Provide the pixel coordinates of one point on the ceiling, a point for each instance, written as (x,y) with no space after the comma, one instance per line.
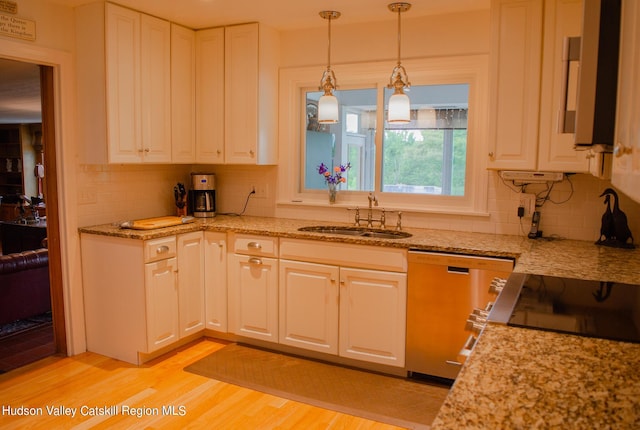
(283,14)
(20,85)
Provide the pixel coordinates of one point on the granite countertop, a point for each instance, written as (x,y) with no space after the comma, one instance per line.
(530,379)
(515,378)
(567,258)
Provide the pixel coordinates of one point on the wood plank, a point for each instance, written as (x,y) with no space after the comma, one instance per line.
(92,380)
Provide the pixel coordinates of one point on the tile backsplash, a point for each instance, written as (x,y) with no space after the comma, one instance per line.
(110,193)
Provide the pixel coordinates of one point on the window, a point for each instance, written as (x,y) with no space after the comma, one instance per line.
(426,156)
(352,140)
(436,163)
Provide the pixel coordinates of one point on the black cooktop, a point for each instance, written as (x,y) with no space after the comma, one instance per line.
(589,308)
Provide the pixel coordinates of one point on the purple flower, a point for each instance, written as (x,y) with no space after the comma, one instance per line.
(335,178)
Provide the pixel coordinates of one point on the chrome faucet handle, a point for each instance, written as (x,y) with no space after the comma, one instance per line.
(372,199)
(399,222)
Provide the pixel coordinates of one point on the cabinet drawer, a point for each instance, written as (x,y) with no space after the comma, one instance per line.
(159,249)
(345,254)
(255,245)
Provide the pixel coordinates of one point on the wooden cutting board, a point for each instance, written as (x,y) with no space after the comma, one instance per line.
(153,223)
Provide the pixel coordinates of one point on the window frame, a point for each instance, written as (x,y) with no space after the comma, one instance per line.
(471,69)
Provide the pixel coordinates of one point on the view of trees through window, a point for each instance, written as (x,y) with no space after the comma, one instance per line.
(424,161)
(426,156)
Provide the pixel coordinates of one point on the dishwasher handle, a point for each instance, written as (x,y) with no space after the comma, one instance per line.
(458,270)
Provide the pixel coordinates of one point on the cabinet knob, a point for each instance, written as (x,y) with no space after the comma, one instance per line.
(218,152)
(490,154)
(254,245)
(251,152)
(254,260)
(147,150)
(162,249)
(620,149)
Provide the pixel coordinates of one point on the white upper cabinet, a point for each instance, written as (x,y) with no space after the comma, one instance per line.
(129,118)
(626,159)
(237,90)
(210,95)
(516,58)
(526,85)
(183,94)
(155,89)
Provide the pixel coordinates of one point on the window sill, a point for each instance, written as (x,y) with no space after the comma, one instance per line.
(309,203)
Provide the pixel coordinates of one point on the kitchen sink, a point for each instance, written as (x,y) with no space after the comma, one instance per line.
(357,231)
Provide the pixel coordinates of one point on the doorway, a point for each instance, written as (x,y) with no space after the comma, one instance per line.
(36,342)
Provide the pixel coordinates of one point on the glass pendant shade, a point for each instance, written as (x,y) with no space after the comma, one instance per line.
(328,109)
(399,108)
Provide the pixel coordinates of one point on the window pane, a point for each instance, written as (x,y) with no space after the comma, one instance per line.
(352,140)
(428,155)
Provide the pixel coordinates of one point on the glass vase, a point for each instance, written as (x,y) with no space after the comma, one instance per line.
(333,191)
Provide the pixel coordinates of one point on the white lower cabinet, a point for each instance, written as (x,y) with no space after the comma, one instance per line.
(215,281)
(309,306)
(346,300)
(253,287)
(161,288)
(373,315)
(191,282)
(357,313)
(141,295)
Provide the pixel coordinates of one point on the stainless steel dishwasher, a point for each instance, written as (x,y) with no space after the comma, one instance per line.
(447,294)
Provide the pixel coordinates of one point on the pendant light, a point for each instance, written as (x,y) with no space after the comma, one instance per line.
(328,103)
(399,109)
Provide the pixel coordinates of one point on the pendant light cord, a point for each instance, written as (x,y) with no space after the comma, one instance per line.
(329,45)
(399,34)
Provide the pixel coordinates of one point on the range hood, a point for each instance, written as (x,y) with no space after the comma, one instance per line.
(594,117)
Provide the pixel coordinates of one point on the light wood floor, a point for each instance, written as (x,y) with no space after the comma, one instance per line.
(100,383)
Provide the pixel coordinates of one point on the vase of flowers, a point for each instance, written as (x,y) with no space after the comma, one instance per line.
(334,179)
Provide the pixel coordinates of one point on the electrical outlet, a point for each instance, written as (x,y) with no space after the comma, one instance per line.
(528,202)
(261,191)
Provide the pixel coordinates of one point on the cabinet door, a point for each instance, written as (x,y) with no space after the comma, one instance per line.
(123,84)
(155,89)
(556,150)
(373,316)
(215,275)
(162,303)
(191,282)
(626,160)
(309,306)
(241,93)
(210,95)
(515,83)
(253,289)
(183,94)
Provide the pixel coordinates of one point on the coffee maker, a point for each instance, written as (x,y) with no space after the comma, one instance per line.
(202,196)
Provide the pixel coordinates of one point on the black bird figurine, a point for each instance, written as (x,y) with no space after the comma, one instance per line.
(606,229)
(614,226)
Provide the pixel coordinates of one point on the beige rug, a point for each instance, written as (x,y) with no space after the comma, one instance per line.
(387,399)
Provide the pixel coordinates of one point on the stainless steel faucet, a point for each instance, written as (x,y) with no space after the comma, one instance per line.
(373,201)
